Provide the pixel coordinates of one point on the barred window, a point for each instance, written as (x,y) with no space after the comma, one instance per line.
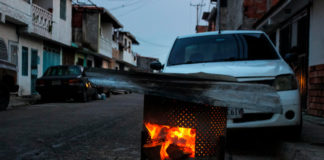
(63,9)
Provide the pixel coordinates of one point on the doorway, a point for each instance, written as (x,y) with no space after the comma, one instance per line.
(34,70)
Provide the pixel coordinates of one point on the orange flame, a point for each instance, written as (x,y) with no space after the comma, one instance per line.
(163,135)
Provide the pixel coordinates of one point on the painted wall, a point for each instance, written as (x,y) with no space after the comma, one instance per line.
(62,30)
(25,81)
(90,30)
(19,5)
(232,15)
(316,47)
(17,9)
(128,56)
(8,33)
(105,41)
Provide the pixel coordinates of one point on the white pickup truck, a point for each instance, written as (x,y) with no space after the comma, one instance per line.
(249,56)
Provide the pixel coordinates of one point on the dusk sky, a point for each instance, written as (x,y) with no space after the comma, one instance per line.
(155,23)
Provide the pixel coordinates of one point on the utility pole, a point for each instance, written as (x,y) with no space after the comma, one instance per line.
(197,7)
(218,17)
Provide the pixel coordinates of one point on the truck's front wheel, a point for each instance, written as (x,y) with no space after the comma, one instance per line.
(4,97)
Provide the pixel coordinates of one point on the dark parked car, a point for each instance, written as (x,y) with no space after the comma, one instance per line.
(65,82)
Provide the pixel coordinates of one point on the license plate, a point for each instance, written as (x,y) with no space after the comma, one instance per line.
(234,113)
(55,83)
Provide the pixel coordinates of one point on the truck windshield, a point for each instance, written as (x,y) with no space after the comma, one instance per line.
(63,71)
(220,48)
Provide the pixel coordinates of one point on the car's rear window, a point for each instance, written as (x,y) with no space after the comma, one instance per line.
(63,71)
(219,48)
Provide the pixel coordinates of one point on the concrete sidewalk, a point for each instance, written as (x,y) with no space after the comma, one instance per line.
(311,145)
(20,101)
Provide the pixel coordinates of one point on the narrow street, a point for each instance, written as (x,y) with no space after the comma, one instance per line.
(109,129)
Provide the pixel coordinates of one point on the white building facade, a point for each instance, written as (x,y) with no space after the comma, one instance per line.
(34,32)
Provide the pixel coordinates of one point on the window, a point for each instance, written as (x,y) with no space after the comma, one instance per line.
(63,9)
(13,52)
(3,50)
(63,71)
(24,66)
(221,48)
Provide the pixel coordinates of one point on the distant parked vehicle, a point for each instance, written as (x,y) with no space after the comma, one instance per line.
(67,81)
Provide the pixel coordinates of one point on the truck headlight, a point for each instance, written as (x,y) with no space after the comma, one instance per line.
(285,82)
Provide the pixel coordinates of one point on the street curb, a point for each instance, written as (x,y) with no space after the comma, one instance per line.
(301,151)
(16,101)
(313,119)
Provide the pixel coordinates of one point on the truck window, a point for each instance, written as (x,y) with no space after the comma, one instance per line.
(220,48)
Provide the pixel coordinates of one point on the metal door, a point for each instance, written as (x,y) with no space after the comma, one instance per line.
(50,58)
(34,70)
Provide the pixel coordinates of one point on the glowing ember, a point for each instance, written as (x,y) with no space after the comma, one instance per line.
(164,136)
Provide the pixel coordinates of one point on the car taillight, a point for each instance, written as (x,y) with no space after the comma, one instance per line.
(74,81)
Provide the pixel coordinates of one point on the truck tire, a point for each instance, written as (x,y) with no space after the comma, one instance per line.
(45,98)
(4,97)
(83,97)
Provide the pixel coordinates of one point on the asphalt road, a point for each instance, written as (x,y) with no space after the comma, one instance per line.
(108,129)
(97,130)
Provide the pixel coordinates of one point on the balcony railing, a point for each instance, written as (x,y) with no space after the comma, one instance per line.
(42,21)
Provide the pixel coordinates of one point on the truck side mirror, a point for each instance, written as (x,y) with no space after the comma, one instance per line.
(290,57)
(156,65)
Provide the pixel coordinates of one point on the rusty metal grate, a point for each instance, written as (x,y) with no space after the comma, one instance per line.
(209,122)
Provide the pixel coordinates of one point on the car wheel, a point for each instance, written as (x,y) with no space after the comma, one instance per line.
(84,96)
(45,98)
(95,96)
(4,97)
(107,94)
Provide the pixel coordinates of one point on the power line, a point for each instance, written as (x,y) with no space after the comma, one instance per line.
(197,7)
(125,5)
(152,43)
(133,10)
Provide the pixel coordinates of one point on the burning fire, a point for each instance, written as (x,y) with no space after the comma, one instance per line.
(165,136)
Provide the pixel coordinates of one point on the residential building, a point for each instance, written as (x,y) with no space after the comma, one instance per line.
(295,26)
(93,31)
(34,33)
(237,14)
(127,59)
(143,63)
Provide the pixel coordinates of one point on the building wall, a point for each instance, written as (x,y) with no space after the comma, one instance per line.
(105,41)
(316,60)
(316,91)
(90,30)
(128,56)
(316,47)
(18,9)
(8,33)
(25,81)
(232,15)
(62,30)
(143,63)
